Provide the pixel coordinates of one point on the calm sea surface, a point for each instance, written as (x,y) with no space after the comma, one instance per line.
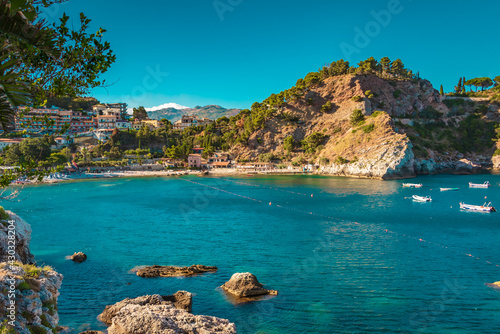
(355,257)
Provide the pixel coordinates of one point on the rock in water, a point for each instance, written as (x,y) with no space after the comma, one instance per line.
(78,257)
(246,285)
(153,314)
(172,271)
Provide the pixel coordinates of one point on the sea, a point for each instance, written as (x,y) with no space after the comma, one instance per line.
(346,255)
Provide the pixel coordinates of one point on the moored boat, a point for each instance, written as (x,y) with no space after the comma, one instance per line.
(421,198)
(413,185)
(448,189)
(486,184)
(486,207)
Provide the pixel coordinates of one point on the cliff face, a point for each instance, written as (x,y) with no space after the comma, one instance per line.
(408,129)
(35,291)
(28,294)
(22,232)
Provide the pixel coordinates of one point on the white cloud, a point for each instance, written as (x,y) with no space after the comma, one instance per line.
(167,105)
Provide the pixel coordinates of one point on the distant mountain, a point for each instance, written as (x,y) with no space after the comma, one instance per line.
(175,113)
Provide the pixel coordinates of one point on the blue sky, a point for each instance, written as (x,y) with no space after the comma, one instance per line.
(236,52)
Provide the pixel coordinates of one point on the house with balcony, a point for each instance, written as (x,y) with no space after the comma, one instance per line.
(194,160)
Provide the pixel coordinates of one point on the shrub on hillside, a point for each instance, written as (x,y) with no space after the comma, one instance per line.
(326,107)
(356,117)
(357,98)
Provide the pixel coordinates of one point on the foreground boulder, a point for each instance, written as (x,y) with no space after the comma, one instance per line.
(173,271)
(154,314)
(246,285)
(78,257)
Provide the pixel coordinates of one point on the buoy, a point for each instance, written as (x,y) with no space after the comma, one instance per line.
(270,203)
(311,195)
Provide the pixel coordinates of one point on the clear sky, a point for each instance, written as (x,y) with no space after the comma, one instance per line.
(236,52)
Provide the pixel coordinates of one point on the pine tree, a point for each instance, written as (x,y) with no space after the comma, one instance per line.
(441,92)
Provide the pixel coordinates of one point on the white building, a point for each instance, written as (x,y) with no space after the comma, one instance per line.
(120,124)
(4,142)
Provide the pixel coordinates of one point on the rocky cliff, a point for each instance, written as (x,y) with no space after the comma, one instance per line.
(34,292)
(21,231)
(28,294)
(407,129)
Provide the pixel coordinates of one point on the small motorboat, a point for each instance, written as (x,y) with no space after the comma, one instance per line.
(479,185)
(413,185)
(448,189)
(486,207)
(421,198)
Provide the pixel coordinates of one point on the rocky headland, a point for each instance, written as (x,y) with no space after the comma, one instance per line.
(404,128)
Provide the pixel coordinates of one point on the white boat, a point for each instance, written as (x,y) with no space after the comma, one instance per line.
(413,185)
(421,198)
(448,189)
(479,185)
(486,207)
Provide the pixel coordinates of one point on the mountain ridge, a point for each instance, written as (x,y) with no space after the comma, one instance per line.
(209,111)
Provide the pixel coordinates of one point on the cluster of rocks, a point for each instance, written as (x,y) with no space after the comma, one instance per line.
(36,291)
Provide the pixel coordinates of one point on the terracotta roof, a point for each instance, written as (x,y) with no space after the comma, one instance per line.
(10,140)
(220,163)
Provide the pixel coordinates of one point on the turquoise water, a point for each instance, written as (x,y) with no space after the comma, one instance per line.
(356,257)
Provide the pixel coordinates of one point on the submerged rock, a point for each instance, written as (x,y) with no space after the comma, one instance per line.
(154,314)
(78,257)
(246,285)
(173,271)
(495,285)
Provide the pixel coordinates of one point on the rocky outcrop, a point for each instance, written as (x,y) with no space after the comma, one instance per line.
(22,232)
(36,291)
(173,271)
(246,285)
(153,314)
(78,257)
(387,159)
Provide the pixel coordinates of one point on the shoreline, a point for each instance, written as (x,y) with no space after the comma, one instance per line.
(226,172)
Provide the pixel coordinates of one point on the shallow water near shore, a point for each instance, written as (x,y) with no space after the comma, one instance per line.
(357,256)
